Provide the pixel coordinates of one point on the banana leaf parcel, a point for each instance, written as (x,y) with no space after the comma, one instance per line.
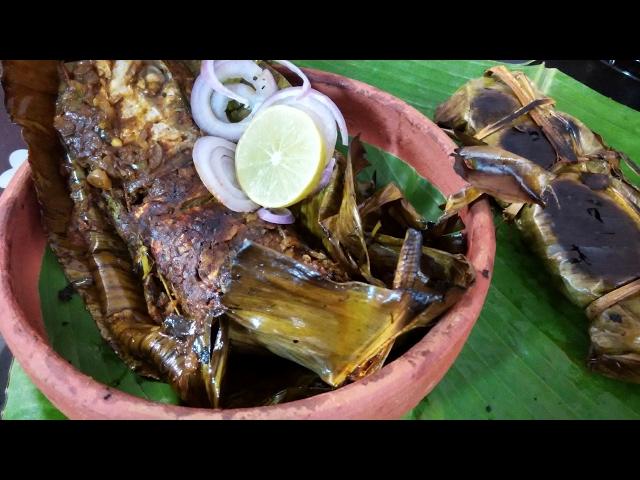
(566,192)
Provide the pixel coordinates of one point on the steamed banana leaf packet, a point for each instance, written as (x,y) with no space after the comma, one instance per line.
(227,308)
(566,192)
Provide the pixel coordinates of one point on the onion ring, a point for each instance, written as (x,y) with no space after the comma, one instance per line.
(306,84)
(209,96)
(317,96)
(280,216)
(213,158)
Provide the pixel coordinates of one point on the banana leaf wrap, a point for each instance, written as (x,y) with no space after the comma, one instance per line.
(376,226)
(564,189)
(188,292)
(329,327)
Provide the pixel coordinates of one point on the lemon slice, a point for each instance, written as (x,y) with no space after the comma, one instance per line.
(280,157)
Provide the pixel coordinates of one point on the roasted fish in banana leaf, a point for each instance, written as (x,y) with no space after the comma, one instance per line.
(565,190)
(189,292)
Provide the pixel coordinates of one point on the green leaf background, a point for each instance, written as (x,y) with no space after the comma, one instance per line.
(525,358)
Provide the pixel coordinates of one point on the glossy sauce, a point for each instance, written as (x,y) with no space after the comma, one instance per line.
(601,237)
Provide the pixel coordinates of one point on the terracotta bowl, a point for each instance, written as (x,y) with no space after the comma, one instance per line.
(383,121)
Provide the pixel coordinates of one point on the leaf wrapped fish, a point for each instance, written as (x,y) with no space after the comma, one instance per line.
(565,191)
(187,291)
(505,110)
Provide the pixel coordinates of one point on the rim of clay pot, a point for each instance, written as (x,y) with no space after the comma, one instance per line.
(389,393)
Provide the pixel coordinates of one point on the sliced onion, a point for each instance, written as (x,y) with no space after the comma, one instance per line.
(209,97)
(262,80)
(216,73)
(207,119)
(219,102)
(213,158)
(326,176)
(281,216)
(316,95)
(306,84)
(208,71)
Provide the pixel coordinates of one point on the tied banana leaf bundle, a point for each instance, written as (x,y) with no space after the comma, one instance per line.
(566,192)
(230,310)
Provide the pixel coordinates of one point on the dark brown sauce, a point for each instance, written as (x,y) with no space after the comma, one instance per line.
(490,105)
(529,142)
(602,240)
(595,181)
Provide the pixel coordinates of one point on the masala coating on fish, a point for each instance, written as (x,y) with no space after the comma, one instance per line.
(127,121)
(128,132)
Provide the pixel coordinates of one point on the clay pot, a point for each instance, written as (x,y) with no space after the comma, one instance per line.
(383,121)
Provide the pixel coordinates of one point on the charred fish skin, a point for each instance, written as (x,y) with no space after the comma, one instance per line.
(123,320)
(146,138)
(585,225)
(127,126)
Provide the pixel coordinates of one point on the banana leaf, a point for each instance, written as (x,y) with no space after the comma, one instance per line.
(503,369)
(333,216)
(575,207)
(520,362)
(386,206)
(601,276)
(351,232)
(330,328)
(506,110)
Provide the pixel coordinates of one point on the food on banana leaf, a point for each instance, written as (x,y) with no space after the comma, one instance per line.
(564,189)
(188,278)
